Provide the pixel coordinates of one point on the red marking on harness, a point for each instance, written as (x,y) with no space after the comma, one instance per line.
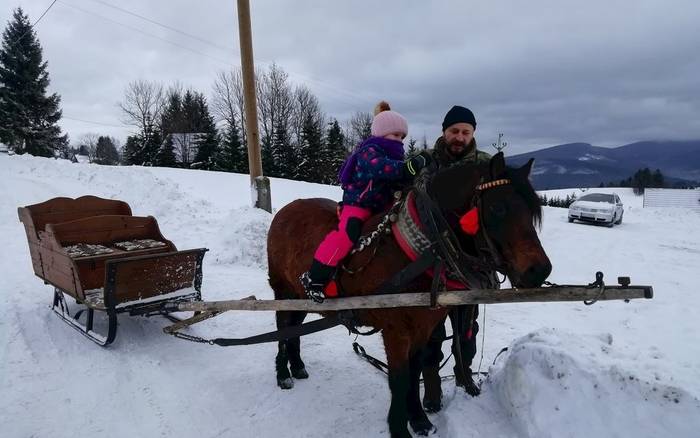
(410,253)
(470,222)
(468,335)
(413,210)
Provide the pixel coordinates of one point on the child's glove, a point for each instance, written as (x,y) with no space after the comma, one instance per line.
(414,164)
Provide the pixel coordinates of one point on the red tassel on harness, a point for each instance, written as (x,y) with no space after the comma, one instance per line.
(331,289)
(470,221)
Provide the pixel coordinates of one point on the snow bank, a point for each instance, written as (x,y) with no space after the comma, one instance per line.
(555,384)
(243,235)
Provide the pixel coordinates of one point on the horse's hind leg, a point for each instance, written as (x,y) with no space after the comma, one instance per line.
(416,415)
(288,351)
(294,350)
(397,349)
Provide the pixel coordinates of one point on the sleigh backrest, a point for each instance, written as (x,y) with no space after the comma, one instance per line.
(35,218)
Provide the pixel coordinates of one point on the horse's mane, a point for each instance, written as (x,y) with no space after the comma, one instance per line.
(521,184)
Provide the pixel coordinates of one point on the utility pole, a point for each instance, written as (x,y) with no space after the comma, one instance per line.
(499,146)
(260,184)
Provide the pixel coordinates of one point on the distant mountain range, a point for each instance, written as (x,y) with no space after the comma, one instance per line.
(583,165)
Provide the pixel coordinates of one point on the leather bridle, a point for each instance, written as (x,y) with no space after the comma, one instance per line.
(487,245)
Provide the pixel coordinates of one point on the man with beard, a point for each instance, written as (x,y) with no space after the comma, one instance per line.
(456,145)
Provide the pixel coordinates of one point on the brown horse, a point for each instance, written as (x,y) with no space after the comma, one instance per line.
(508,214)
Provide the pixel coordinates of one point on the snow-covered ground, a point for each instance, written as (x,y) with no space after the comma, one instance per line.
(613,369)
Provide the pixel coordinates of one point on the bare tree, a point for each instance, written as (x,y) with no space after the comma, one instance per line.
(275,102)
(185,146)
(87,145)
(305,106)
(358,128)
(228,103)
(143,102)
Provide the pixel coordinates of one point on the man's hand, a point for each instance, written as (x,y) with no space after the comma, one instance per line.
(417,162)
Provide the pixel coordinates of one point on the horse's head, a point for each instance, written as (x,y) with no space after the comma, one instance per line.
(508,211)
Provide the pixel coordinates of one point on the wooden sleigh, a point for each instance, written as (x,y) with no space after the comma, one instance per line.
(108,261)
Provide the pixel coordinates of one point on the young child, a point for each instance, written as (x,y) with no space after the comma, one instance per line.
(367,177)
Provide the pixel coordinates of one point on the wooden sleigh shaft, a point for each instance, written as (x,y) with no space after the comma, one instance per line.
(422,299)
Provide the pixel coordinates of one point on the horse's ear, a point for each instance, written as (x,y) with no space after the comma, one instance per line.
(497,165)
(527,168)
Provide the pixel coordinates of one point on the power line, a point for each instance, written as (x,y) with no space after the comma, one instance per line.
(92,122)
(33,25)
(42,15)
(337,90)
(135,29)
(165,26)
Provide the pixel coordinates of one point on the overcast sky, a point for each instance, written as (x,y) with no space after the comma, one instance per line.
(541,72)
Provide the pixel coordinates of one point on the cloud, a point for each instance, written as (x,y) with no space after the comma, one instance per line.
(543,73)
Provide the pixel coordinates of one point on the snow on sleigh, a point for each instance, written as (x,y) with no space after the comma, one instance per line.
(109,261)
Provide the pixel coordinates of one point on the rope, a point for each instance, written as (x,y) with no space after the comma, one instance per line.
(382,366)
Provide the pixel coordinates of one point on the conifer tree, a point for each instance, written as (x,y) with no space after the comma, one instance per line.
(335,153)
(283,153)
(208,143)
(267,157)
(412,149)
(165,157)
(151,141)
(28,116)
(106,151)
(133,152)
(657,179)
(232,156)
(310,150)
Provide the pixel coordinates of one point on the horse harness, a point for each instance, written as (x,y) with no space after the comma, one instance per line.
(427,240)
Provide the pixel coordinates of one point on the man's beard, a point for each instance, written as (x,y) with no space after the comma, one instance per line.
(457,148)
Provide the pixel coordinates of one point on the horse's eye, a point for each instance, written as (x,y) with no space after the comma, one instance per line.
(498,209)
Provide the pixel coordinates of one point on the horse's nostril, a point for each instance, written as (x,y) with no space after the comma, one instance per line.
(538,273)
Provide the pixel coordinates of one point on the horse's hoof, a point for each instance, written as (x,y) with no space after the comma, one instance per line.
(470,388)
(287,383)
(432,406)
(422,427)
(402,434)
(300,373)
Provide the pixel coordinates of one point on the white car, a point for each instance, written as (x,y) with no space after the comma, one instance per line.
(602,208)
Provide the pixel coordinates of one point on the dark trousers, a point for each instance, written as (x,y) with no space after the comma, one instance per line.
(460,316)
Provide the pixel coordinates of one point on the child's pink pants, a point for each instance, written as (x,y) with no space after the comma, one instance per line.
(338,243)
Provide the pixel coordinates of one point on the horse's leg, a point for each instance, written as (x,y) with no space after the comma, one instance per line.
(284,379)
(416,415)
(294,349)
(397,352)
(432,356)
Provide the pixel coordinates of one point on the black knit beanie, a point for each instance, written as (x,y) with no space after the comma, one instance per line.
(458,114)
